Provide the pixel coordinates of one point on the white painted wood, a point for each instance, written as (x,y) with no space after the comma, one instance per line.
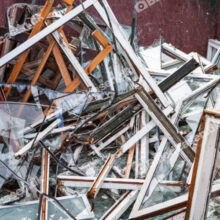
(47,180)
(98,182)
(170,63)
(121,38)
(185,57)
(150,182)
(170,203)
(54,131)
(120,206)
(38,122)
(40,136)
(137,149)
(108,183)
(74,62)
(154,118)
(213,46)
(113,138)
(97,151)
(140,134)
(46,31)
(209,150)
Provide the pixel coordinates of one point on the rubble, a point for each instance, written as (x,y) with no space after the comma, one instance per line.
(94,126)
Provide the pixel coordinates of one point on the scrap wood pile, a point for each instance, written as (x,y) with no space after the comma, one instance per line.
(94,126)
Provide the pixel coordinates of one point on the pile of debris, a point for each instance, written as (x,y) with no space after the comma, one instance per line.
(95,127)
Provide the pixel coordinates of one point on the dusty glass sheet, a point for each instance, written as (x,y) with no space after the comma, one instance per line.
(213,209)
(184,88)
(29,211)
(154,57)
(14,118)
(157,193)
(189,119)
(23,212)
(102,203)
(119,74)
(123,77)
(21,9)
(174,67)
(27,113)
(77,102)
(74,112)
(86,38)
(127,30)
(217,62)
(38,95)
(90,164)
(190,114)
(167,215)
(122,74)
(7,158)
(55,141)
(151,55)
(74,205)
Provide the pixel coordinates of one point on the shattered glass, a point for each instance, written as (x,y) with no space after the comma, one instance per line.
(29,211)
(57,133)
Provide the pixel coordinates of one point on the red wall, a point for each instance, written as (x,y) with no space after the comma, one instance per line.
(188,24)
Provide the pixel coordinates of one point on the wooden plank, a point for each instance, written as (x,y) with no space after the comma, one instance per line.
(122,40)
(108,183)
(203,172)
(91,194)
(45,183)
(170,205)
(62,66)
(95,62)
(40,136)
(21,60)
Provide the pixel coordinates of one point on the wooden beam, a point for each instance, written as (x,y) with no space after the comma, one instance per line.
(21,60)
